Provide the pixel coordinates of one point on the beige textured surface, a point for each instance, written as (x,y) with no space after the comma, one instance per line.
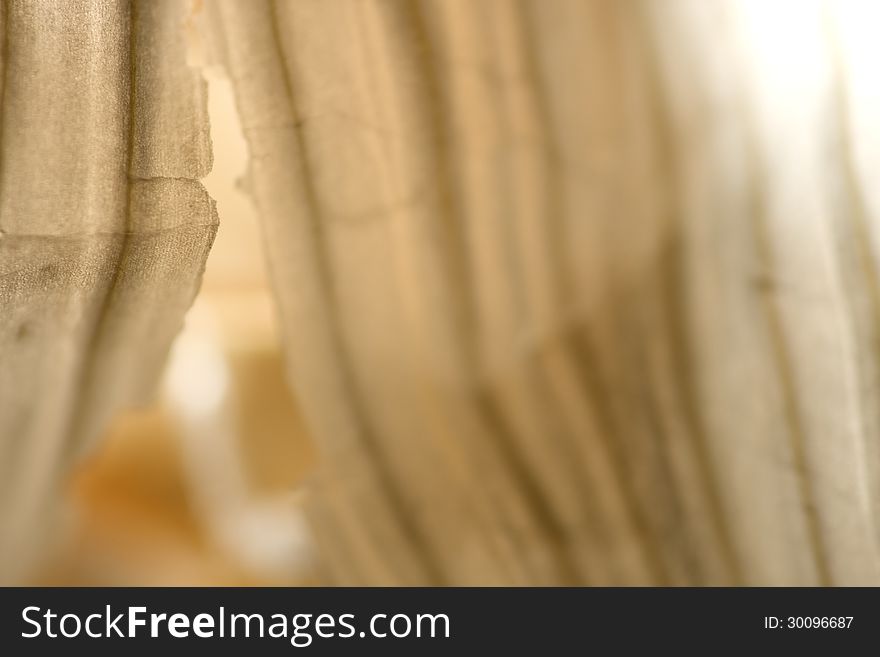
(105,231)
(776,159)
(574,291)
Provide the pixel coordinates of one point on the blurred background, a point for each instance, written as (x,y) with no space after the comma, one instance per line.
(201,487)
